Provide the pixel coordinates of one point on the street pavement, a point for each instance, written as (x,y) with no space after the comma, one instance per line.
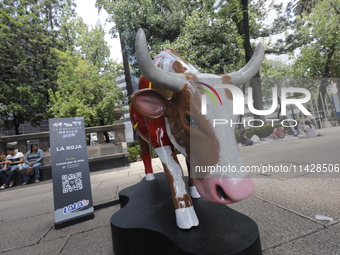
(284,205)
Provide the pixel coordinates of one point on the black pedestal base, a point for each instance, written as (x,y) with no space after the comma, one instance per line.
(146,225)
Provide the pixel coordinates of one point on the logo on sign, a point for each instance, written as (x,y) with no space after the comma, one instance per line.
(75,206)
(68,135)
(57,124)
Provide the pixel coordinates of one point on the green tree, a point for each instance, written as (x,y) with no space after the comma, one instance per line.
(302,6)
(162,20)
(90,43)
(274,73)
(293,19)
(248,17)
(205,41)
(84,91)
(320,57)
(277,74)
(86,67)
(195,29)
(29,32)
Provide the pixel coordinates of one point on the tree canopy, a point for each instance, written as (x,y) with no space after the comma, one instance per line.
(29,32)
(206,40)
(206,33)
(319,56)
(82,92)
(45,48)
(86,75)
(36,38)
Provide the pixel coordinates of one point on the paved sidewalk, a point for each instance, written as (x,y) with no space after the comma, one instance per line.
(283,206)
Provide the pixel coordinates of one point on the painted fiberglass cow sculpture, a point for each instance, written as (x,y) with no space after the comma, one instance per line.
(166,112)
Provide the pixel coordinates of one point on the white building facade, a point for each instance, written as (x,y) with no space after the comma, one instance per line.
(125,104)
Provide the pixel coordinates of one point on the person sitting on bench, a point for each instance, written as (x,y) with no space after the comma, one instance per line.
(33,158)
(13,162)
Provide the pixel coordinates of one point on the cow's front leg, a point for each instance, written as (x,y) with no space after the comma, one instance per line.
(185,214)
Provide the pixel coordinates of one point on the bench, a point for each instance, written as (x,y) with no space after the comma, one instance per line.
(95,164)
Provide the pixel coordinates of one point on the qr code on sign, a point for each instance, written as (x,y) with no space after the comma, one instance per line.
(72,182)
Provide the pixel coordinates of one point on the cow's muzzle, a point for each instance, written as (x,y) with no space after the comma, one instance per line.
(222,190)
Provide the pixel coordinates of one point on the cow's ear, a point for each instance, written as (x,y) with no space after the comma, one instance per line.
(150,103)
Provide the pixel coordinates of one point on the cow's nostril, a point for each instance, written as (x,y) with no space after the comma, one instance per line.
(221,193)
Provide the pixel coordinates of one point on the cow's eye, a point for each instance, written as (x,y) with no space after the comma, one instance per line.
(191,121)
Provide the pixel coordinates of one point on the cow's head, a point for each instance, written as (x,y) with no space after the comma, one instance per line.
(192,133)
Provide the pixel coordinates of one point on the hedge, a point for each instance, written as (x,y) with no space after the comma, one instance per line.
(334,120)
(136,153)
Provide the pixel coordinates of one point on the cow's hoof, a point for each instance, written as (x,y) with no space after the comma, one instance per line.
(193,192)
(186,217)
(149,177)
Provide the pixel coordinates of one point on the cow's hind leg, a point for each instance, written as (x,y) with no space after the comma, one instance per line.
(146,157)
(192,188)
(185,214)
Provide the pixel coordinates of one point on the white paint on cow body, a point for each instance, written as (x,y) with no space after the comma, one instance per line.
(165,155)
(173,141)
(186,217)
(167,63)
(193,192)
(149,177)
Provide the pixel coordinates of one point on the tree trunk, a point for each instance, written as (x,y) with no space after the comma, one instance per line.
(256,84)
(16,122)
(325,82)
(128,80)
(244,30)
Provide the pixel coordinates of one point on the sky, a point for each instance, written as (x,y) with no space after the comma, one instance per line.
(87,10)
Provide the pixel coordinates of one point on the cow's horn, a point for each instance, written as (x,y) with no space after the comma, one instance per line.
(250,69)
(167,80)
